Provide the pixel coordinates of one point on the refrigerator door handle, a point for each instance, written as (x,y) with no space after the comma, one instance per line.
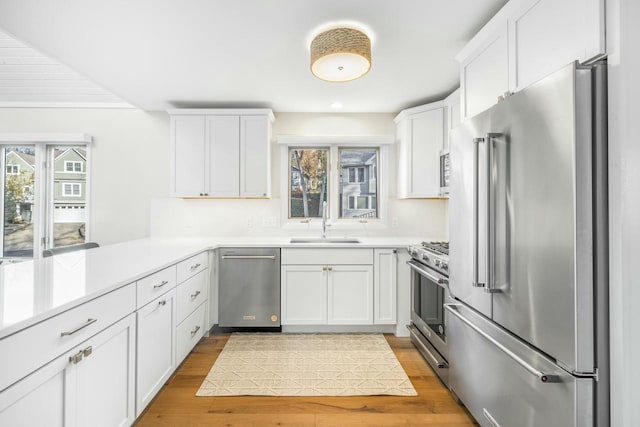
(545,378)
(492,177)
(476,210)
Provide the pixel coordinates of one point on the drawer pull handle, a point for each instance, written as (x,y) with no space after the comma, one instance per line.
(163,302)
(161,284)
(193,267)
(195,331)
(195,294)
(87,323)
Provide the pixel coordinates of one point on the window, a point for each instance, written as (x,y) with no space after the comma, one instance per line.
(358,182)
(350,188)
(308,184)
(72,166)
(40,209)
(71,189)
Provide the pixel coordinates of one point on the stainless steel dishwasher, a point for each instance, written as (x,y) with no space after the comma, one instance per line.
(249,287)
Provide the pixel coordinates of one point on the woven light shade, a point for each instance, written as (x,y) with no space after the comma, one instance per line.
(340,55)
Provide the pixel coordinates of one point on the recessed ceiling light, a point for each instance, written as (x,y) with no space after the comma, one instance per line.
(336,104)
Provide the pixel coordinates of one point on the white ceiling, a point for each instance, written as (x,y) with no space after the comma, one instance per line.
(159,54)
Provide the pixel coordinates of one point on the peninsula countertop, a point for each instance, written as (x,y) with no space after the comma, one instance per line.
(35,290)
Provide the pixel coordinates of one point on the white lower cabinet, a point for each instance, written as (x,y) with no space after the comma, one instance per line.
(105,380)
(350,295)
(327,287)
(385,289)
(45,390)
(156,342)
(189,332)
(304,295)
(91,385)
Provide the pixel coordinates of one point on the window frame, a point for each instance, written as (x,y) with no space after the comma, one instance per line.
(44,184)
(381,142)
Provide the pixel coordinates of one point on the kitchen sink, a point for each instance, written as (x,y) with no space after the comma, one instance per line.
(324,240)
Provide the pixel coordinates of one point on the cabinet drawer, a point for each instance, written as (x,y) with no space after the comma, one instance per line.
(193,265)
(27,350)
(151,287)
(327,256)
(189,332)
(191,294)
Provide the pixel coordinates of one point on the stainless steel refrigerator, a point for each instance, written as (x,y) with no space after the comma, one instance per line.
(528,325)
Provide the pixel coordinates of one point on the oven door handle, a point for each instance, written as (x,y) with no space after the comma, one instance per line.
(440,280)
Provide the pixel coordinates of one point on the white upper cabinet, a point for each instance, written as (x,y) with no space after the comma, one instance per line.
(188,155)
(220,153)
(547,34)
(452,116)
(484,73)
(224,155)
(255,155)
(420,139)
(525,41)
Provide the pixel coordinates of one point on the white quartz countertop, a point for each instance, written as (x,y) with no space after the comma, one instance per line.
(32,291)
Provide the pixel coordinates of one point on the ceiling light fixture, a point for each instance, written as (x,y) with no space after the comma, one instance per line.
(340,54)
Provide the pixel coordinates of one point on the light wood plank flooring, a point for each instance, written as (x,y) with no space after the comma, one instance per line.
(176,405)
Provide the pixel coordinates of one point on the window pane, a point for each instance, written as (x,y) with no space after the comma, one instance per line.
(362,202)
(19,184)
(358,182)
(69,200)
(308,181)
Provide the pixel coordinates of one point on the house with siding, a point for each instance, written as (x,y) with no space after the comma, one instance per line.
(358,183)
(70,185)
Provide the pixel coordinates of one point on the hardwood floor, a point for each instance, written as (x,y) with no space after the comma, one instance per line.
(177,406)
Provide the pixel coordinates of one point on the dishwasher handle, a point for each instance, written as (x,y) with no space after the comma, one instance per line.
(249,257)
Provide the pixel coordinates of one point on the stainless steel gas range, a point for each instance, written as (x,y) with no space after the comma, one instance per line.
(429,292)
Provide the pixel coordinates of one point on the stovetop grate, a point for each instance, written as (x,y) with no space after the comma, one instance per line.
(439,247)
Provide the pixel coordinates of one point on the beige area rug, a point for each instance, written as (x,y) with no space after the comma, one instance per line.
(306,365)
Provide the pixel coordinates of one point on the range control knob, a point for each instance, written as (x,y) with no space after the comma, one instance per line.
(438,263)
(425,257)
(444,266)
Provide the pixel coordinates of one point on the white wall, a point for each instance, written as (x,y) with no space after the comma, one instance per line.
(623,34)
(130,176)
(129,162)
(211,217)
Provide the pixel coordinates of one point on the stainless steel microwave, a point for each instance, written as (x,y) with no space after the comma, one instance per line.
(445,172)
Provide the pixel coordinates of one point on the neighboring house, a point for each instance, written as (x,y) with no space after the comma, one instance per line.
(19,168)
(358,184)
(70,185)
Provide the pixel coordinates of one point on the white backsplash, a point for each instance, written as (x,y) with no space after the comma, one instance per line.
(171,217)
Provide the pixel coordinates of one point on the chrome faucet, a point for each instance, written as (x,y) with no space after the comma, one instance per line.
(324,219)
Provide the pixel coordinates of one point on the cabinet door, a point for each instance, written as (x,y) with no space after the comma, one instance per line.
(224,156)
(426,135)
(304,295)
(452,116)
(485,75)
(255,150)
(39,399)
(385,286)
(188,155)
(350,295)
(548,34)
(103,383)
(155,351)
